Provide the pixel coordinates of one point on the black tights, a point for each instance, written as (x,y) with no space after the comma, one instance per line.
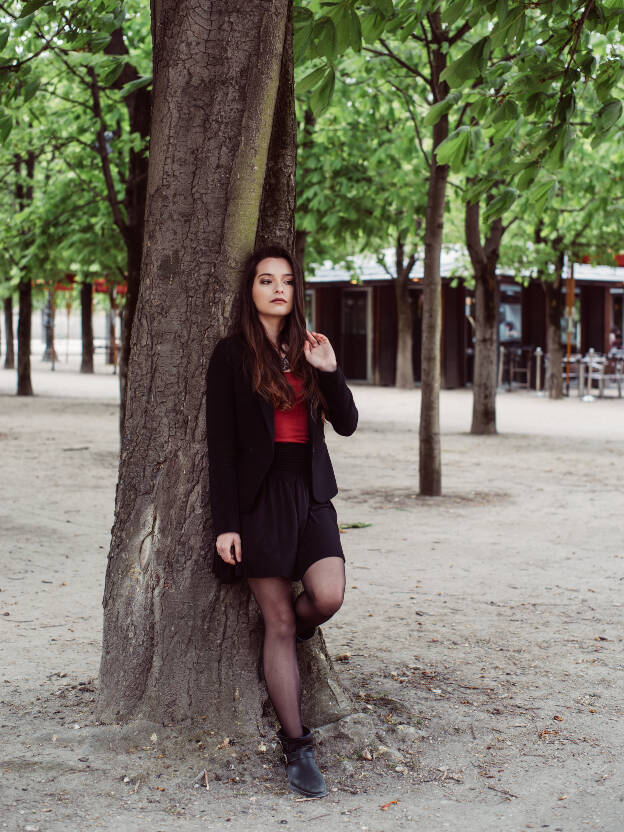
(323,593)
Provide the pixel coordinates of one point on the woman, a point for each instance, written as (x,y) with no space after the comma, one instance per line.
(270,387)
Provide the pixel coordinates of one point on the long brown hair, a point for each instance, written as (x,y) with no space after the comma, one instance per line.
(262,359)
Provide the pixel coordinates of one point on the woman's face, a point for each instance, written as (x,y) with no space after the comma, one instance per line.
(273,289)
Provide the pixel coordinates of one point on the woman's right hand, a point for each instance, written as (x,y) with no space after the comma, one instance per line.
(225,542)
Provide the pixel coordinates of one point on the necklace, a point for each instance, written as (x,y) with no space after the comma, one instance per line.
(284,363)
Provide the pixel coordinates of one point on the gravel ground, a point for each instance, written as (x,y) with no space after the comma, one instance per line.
(481,633)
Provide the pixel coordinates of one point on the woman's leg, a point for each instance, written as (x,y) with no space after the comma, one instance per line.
(324,585)
(281,671)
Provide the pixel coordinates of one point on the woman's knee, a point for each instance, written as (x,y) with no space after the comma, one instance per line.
(327,600)
(280,622)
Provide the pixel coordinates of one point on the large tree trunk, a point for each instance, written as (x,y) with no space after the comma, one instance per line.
(9,336)
(554,313)
(484,262)
(430,463)
(177,645)
(86,316)
(404,377)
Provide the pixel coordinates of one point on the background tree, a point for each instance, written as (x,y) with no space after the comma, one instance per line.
(360,189)
(84,51)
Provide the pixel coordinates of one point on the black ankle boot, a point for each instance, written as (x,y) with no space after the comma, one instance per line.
(303,774)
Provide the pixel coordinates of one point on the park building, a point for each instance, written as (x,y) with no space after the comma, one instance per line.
(357,310)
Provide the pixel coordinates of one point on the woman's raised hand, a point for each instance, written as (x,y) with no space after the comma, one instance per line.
(319,352)
(225,542)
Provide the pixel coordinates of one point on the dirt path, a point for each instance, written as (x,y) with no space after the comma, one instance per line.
(484,630)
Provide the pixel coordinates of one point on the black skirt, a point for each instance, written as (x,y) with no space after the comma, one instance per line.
(286,530)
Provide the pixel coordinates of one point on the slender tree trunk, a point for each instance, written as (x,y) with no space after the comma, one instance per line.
(111,346)
(305,147)
(24,322)
(554,313)
(49,353)
(404,377)
(430,456)
(177,645)
(301,238)
(484,262)
(86,313)
(131,226)
(9,354)
(24,325)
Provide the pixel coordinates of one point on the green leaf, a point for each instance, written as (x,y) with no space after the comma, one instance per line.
(348,29)
(100,40)
(321,97)
(112,73)
(373,25)
(325,39)
(608,115)
(30,89)
(451,12)
(453,151)
(500,204)
(386,7)
(301,40)
(507,111)
(540,193)
(137,84)
(441,108)
(32,6)
(527,177)
(470,65)
(6,125)
(505,28)
(311,79)
(4,38)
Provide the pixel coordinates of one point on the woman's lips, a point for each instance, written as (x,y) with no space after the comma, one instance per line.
(278,300)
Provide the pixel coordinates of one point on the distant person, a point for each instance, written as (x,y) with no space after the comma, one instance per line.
(615,339)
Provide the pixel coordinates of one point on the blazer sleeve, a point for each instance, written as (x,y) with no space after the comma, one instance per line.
(221,436)
(342,410)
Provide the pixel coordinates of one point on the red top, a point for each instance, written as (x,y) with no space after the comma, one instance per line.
(292,425)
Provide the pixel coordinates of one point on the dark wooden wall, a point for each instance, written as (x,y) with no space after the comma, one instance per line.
(453,336)
(594,310)
(385,334)
(533,316)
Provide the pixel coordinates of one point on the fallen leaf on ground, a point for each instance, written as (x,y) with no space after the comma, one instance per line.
(387,805)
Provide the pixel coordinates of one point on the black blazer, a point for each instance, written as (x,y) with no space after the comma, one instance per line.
(240,435)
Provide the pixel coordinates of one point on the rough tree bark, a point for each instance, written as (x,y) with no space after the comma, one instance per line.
(484,258)
(430,462)
(86,318)
(24,323)
(554,312)
(9,353)
(177,645)
(404,377)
